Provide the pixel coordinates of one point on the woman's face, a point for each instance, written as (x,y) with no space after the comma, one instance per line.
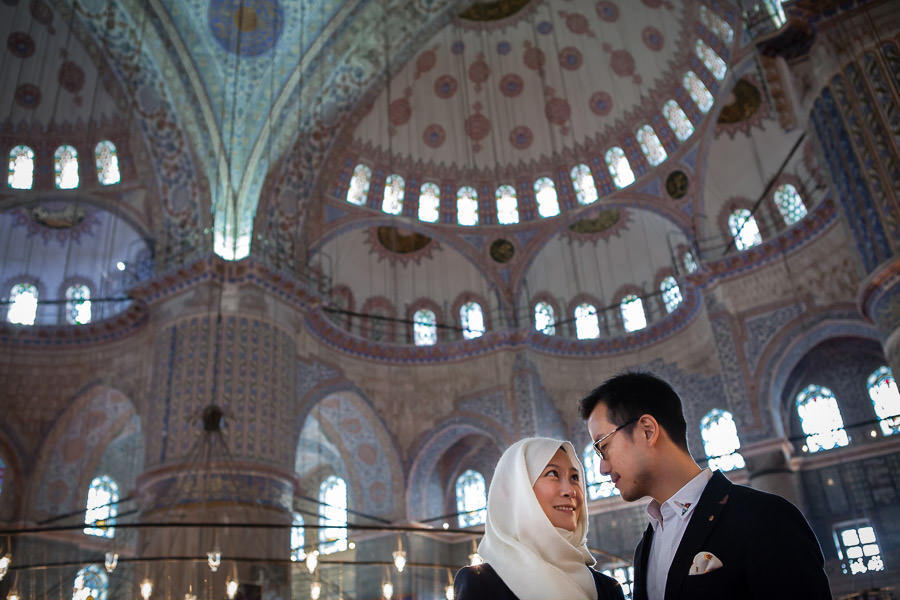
(558,491)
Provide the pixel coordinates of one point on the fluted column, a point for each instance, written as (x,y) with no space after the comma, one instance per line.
(769,469)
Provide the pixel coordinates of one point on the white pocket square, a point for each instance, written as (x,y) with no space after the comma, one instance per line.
(704,562)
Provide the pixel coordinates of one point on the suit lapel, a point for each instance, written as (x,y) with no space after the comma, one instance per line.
(642,555)
(703,521)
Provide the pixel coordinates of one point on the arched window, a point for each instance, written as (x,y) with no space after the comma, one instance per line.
(678,121)
(716,24)
(598,484)
(587,323)
(744,229)
(107,161)
(424,327)
(507,205)
(544,319)
(711,59)
(471,317)
(583,182)
(298,535)
(885,399)
(394,190)
(90,581)
(633,316)
(65,164)
(820,419)
(689,262)
(546,198)
(21,168)
(78,304)
(23,303)
(467,206)
(650,145)
(720,440)
(100,516)
(857,548)
(332,515)
(671,293)
(618,167)
(429,202)
(471,498)
(698,91)
(789,203)
(359,185)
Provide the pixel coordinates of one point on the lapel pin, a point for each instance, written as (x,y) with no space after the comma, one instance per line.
(685,507)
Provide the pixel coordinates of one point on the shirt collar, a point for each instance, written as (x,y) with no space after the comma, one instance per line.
(682,502)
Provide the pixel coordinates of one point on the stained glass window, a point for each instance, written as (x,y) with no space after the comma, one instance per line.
(546,198)
(90,582)
(378,326)
(107,161)
(598,484)
(583,182)
(720,440)
(716,24)
(21,168)
(78,304)
(472,319)
(698,91)
(744,229)
(625,577)
(467,206)
(650,145)
(689,262)
(394,190)
(429,202)
(471,498)
(885,399)
(789,203)
(332,515)
(424,327)
(297,538)
(23,303)
(100,516)
(618,166)
(775,11)
(507,205)
(65,163)
(858,549)
(820,419)
(671,293)
(587,323)
(711,59)
(359,185)
(633,316)
(544,319)
(678,121)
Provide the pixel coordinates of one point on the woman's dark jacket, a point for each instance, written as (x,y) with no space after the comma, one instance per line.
(483,583)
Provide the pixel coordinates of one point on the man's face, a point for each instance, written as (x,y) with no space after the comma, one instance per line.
(624,460)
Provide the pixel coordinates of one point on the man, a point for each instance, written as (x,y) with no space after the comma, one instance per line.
(707,537)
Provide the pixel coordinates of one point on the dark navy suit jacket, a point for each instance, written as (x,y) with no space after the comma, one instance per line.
(483,583)
(767,549)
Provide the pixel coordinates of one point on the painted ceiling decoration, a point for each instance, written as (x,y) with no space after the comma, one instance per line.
(493,11)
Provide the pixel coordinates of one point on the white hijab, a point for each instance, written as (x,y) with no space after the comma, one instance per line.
(533,558)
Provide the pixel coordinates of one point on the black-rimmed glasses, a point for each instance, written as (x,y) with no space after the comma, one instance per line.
(602,439)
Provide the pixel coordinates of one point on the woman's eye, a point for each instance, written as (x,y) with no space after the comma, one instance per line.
(552,472)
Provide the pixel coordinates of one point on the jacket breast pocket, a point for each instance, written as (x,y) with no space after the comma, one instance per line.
(717,584)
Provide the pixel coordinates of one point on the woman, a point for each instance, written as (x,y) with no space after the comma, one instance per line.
(535,537)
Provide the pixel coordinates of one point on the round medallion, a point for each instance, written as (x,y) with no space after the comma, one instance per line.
(445,86)
(502,251)
(742,103)
(653,38)
(511,85)
(71,76)
(601,103)
(677,184)
(434,136)
(20,44)
(608,11)
(28,95)
(246,27)
(521,137)
(503,48)
(570,58)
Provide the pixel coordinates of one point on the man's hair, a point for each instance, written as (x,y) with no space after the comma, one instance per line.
(630,395)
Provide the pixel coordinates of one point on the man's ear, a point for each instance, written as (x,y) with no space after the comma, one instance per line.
(650,429)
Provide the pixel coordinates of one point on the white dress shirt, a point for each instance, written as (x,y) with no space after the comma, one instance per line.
(669,522)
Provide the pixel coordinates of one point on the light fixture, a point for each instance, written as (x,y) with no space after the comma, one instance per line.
(873,433)
(190,593)
(387,590)
(231,587)
(12,595)
(146,589)
(475,559)
(4,565)
(446,525)
(315,590)
(81,594)
(312,561)
(120,265)
(214,559)
(449,592)
(352,545)
(112,559)
(400,560)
